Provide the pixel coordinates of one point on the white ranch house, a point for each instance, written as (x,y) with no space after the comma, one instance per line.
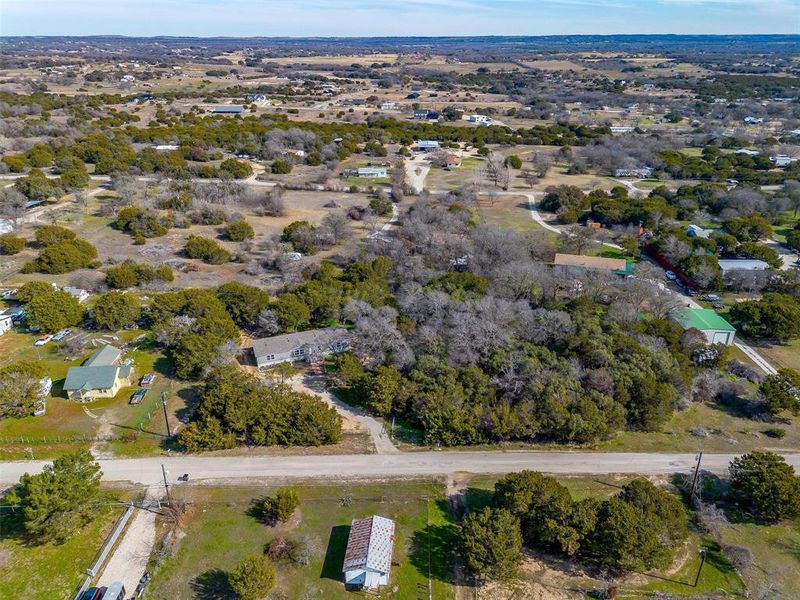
(303,345)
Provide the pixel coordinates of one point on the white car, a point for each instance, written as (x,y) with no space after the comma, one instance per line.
(671,276)
(43,340)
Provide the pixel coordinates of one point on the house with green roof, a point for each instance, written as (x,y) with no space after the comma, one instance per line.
(715,329)
(101,376)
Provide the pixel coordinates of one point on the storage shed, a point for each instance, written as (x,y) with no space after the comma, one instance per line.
(368,557)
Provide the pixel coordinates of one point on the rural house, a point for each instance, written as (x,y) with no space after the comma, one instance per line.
(728,265)
(715,329)
(6,322)
(303,345)
(619,266)
(427,145)
(368,557)
(101,376)
(79,294)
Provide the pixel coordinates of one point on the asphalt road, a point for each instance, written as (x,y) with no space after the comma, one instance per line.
(147,471)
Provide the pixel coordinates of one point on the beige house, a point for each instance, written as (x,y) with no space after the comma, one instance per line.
(101,376)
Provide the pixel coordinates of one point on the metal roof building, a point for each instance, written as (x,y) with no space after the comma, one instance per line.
(620,266)
(368,557)
(727,265)
(101,376)
(715,329)
(228,110)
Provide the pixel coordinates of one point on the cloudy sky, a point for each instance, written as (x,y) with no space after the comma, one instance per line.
(394,17)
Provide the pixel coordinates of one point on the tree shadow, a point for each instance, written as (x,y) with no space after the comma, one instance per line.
(212,585)
(432,551)
(259,511)
(477,498)
(334,554)
(163,365)
(191,399)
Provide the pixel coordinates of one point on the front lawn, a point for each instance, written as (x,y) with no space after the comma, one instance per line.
(225,529)
(48,571)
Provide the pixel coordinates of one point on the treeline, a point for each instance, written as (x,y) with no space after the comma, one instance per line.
(737,86)
(236,408)
(639,528)
(714,165)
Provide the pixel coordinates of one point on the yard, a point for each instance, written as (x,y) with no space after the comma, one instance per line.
(48,571)
(224,529)
(69,425)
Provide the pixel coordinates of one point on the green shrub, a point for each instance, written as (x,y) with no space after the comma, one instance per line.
(206,249)
(238,231)
(64,257)
(30,290)
(11,244)
(775,432)
(281,167)
(53,234)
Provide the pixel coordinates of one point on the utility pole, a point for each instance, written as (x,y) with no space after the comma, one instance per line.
(166,420)
(696,475)
(703,553)
(166,485)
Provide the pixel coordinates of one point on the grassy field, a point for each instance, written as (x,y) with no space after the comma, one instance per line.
(48,571)
(225,529)
(776,555)
(785,356)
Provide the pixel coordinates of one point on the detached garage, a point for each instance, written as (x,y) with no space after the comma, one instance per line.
(716,329)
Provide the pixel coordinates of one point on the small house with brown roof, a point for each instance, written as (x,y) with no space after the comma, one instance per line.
(368,557)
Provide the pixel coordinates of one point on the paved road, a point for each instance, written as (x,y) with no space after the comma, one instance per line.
(147,471)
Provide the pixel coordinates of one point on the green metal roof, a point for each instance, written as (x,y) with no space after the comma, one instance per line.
(91,378)
(702,319)
(98,372)
(107,355)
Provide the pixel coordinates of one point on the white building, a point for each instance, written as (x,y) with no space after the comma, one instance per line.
(165,147)
(727,265)
(714,328)
(79,294)
(376,172)
(5,322)
(753,120)
(698,232)
(639,173)
(303,345)
(622,129)
(368,557)
(389,106)
(747,152)
(480,119)
(781,160)
(427,145)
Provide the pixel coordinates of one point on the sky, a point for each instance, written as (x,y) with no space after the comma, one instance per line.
(308,18)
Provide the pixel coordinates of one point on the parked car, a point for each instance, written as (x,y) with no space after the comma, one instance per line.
(148,379)
(142,585)
(93,593)
(138,396)
(43,340)
(61,335)
(671,276)
(718,305)
(8,294)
